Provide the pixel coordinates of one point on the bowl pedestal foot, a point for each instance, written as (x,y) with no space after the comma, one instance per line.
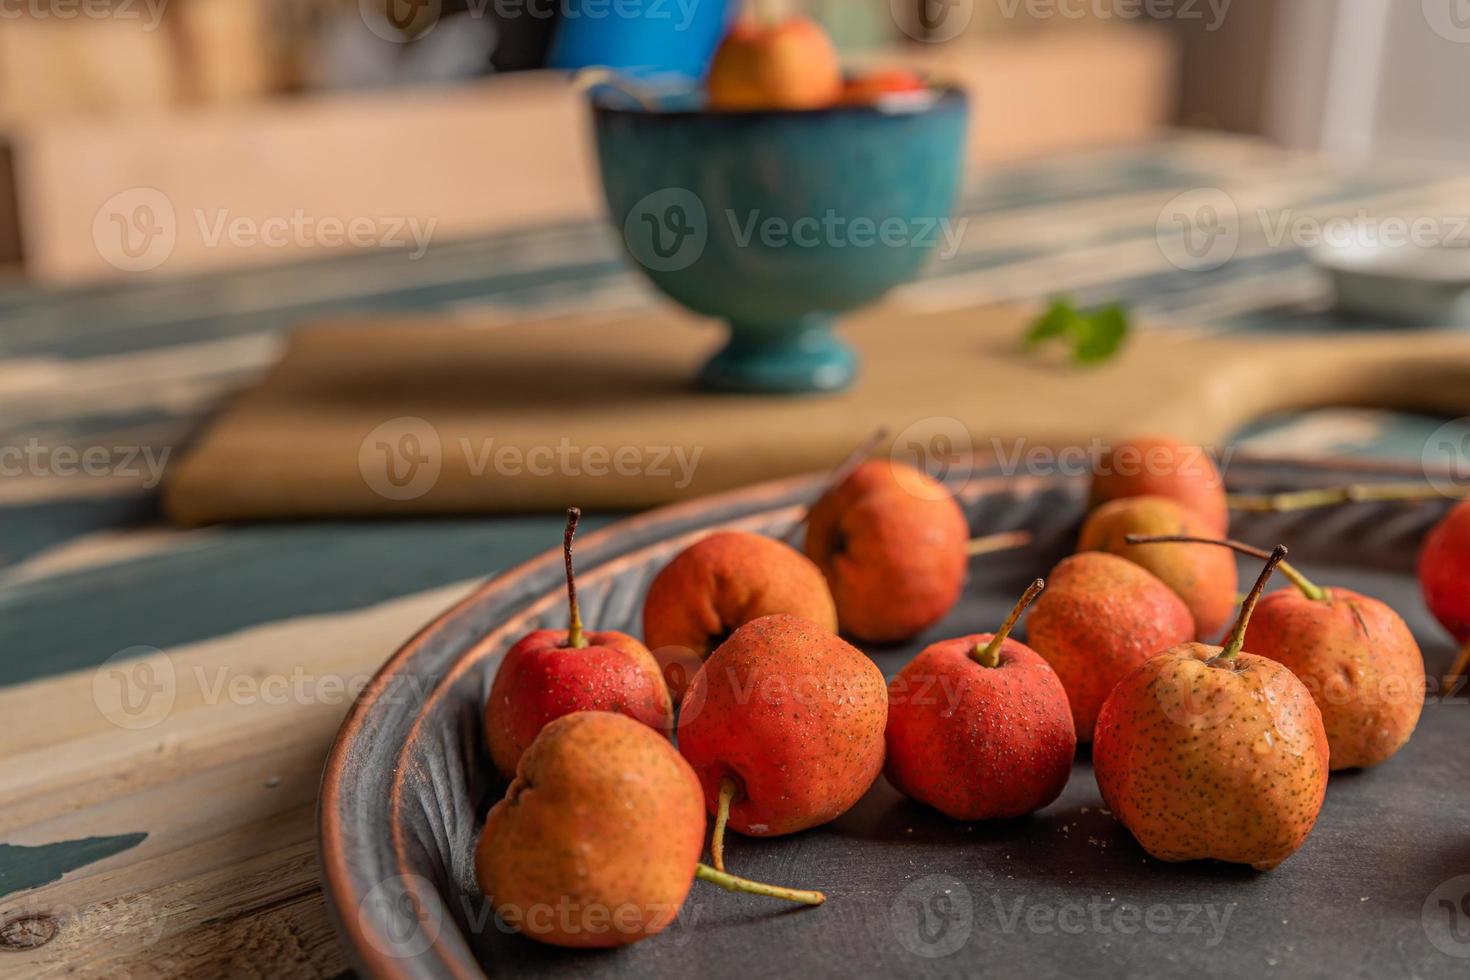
(794,357)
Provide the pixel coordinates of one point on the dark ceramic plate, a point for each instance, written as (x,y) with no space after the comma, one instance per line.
(1381,888)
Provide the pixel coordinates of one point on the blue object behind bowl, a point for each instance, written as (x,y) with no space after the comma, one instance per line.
(694,191)
(671,37)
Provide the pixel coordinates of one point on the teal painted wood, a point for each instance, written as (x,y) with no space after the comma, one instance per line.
(238,578)
(22,867)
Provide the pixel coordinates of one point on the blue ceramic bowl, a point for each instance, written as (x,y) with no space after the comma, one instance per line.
(778,221)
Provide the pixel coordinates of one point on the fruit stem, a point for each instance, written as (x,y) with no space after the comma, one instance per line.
(1457,670)
(1237,635)
(732,883)
(1004,541)
(842,471)
(1328,496)
(1308,588)
(722,817)
(989,654)
(575,637)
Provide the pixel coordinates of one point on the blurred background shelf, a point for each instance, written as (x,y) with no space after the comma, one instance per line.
(446,156)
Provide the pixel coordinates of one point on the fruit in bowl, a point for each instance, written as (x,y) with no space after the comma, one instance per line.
(790,63)
(882,83)
(777,203)
(787,64)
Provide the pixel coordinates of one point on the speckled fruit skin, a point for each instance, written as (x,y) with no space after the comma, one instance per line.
(976,742)
(891,542)
(1202,575)
(1359,661)
(1100,617)
(1201,761)
(597,839)
(795,714)
(1444,571)
(542,679)
(723,581)
(1158,466)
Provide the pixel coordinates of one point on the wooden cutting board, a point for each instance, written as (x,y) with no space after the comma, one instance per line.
(371,417)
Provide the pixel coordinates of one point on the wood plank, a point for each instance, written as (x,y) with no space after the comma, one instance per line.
(226,881)
(241,904)
(52,66)
(453,160)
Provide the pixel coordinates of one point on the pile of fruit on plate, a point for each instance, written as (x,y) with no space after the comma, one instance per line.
(747,702)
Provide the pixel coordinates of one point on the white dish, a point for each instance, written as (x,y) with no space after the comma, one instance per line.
(1414,284)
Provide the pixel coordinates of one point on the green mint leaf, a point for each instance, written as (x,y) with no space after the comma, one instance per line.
(1057,321)
(1094,336)
(1106,330)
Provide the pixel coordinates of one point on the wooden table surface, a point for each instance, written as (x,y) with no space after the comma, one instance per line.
(167,696)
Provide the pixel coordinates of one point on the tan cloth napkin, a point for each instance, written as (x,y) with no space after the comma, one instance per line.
(378,417)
